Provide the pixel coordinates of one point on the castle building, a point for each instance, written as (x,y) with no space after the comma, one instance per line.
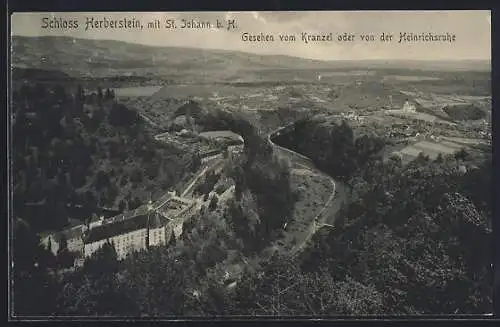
(142,229)
(128,235)
(132,231)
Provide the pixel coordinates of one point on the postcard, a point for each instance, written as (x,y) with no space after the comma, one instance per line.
(314,164)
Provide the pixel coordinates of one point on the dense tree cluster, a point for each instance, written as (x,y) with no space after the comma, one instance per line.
(279,287)
(264,199)
(34,289)
(263,202)
(95,289)
(409,231)
(419,234)
(464,112)
(333,148)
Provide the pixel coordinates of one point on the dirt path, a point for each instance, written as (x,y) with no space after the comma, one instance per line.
(328,208)
(319,220)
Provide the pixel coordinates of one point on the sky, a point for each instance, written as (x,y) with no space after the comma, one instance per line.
(472,30)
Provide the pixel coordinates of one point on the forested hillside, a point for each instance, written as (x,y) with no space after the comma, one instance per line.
(419,236)
(179,278)
(76,147)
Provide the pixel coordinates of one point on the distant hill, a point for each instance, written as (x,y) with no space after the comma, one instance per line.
(38,74)
(102,57)
(21,76)
(76,56)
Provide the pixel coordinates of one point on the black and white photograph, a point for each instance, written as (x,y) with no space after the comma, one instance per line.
(250,164)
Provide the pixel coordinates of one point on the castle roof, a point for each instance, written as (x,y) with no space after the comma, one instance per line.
(123,226)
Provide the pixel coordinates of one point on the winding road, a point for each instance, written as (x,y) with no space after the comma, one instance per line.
(328,209)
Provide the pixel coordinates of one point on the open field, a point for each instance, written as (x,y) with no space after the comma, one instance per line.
(408,78)
(200,90)
(232,96)
(436,100)
(465,141)
(348,73)
(136,91)
(432,149)
(417,115)
(472,98)
(472,87)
